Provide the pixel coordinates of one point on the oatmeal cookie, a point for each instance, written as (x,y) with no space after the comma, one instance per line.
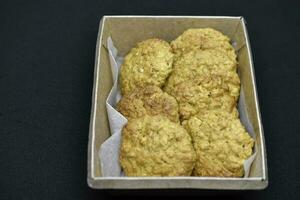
(204,93)
(155,146)
(203,79)
(150,62)
(202,38)
(221,143)
(149,100)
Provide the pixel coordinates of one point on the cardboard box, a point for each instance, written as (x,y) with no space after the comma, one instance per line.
(126,31)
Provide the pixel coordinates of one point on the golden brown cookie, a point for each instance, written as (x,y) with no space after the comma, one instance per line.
(203,79)
(202,38)
(209,60)
(150,62)
(149,100)
(204,93)
(155,146)
(221,143)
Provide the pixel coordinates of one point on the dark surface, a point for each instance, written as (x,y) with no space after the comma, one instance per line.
(46,75)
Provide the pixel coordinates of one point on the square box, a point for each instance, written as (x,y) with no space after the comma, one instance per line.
(126,31)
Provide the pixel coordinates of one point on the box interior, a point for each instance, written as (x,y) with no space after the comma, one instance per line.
(127,31)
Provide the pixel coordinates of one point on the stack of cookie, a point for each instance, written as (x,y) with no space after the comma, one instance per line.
(180,101)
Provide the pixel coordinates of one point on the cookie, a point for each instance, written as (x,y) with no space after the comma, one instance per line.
(204,79)
(209,60)
(205,93)
(149,100)
(202,38)
(149,63)
(155,146)
(221,143)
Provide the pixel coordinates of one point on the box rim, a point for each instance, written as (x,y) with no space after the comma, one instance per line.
(257,107)
(172,16)
(91,137)
(92,179)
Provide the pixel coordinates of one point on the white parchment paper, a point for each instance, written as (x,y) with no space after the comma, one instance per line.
(109,150)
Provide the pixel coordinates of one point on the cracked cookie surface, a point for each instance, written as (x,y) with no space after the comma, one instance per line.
(203,80)
(221,143)
(150,62)
(149,100)
(155,146)
(202,38)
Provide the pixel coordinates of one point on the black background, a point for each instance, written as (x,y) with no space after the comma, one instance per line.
(47,53)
